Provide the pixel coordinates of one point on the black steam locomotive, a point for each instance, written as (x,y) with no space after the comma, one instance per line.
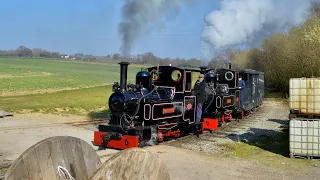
(162,104)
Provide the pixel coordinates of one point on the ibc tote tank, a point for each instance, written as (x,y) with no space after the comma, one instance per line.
(304,95)
(304,135)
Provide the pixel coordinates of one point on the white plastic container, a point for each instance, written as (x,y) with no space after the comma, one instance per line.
(305,95)
(304,137)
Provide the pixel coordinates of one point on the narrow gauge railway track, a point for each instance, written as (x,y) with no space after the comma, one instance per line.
(225,126)
(34,126)
(225,129)
(252,117)
(219,133)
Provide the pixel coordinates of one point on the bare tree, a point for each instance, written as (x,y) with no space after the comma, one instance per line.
(315,8)
(37,52)
(24,51)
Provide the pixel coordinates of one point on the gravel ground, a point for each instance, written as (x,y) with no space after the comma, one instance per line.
(22,131)
(266,121)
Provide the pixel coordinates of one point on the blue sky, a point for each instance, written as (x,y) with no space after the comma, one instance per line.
(91,27)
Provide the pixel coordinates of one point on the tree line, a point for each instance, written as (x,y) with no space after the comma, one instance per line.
(146,58)
(285,55)
(23,51)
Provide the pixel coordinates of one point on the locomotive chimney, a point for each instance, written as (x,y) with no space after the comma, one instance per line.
(229,65)
(123,75)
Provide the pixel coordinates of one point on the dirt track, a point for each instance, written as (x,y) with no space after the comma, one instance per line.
(190,158)
(185,164)
(14,140)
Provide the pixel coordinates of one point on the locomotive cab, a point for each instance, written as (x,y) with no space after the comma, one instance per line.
(210,79)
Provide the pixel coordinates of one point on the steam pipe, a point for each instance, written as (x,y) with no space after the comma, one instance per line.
(123,75)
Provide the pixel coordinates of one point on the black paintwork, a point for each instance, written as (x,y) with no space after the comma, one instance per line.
(164,87)
(143,77)
(254,88)
(210,77)
(123,75)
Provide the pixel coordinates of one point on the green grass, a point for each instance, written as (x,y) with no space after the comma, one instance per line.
(19,76)
(58,86)
(269,151)
(81,101)
(275,144)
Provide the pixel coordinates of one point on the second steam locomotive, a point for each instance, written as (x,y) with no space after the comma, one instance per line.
(162,104)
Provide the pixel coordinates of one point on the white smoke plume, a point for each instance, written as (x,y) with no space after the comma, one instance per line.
(249,21)
(138,15)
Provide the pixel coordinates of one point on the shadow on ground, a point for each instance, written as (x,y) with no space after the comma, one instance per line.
(99,115)
(270,140)
(280,121)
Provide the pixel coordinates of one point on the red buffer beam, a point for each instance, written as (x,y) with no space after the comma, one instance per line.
(124,143)
(210,124)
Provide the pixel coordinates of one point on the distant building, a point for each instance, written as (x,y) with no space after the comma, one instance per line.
(65,56)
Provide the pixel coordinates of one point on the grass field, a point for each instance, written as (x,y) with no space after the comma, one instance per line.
(32,76)
(58,86)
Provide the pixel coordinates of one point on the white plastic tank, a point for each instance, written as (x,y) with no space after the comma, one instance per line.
(305,95)
(304,137)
